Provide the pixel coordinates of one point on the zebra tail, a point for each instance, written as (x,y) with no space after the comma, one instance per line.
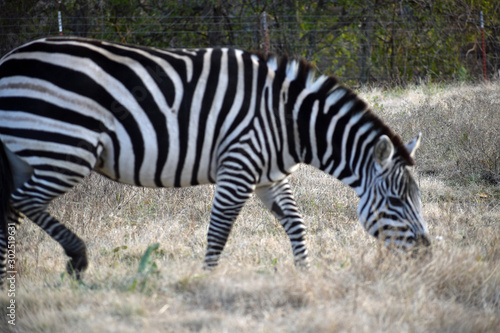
(6,188)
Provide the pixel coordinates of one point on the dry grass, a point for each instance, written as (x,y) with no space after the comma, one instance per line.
(353,284)
(460,126)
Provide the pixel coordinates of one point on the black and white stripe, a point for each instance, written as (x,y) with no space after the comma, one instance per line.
(158,118)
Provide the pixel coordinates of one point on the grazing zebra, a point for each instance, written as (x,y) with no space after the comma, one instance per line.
(158,118)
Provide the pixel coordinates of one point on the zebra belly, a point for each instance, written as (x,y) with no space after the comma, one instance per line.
(159,176)
(168,180)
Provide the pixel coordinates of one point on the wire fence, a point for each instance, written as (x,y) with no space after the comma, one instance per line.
(368,49)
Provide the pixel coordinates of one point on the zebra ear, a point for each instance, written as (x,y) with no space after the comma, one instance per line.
(383,150)
(413,145)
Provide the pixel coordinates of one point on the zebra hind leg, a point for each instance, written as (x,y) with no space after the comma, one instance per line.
(32,200)
(73,246)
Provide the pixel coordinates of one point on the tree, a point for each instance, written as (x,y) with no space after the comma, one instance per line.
(363,41)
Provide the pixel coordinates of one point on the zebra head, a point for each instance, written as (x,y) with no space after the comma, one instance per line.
(390,208)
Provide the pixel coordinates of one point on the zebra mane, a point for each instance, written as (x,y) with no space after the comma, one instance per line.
(305,72)
(399,145)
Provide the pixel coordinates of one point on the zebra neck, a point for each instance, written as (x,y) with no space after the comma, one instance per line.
(336,134)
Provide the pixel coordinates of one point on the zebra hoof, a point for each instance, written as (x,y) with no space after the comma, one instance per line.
(77,264)
(209,266)
(76,268)
(302,265)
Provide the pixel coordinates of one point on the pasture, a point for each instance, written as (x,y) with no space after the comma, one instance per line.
(353,285)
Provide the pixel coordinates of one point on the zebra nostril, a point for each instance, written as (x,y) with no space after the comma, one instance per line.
(422,247)
(424,240)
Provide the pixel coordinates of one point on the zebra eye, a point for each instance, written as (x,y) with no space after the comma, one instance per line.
(394,201)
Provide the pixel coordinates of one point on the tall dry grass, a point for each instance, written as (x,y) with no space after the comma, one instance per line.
(353,285)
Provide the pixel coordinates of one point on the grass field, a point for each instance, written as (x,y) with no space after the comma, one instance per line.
(353,284)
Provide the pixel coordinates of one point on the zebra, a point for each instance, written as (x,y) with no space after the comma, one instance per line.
(182,117)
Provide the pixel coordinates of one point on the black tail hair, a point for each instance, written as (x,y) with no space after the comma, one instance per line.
(6,188)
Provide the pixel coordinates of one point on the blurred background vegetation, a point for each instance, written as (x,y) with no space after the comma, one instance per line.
(372,41)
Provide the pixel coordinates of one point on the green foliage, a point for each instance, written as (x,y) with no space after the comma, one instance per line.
(397,42)
(147,267)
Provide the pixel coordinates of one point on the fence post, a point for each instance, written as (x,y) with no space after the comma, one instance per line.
(59,19)
(484,48)
(266,33)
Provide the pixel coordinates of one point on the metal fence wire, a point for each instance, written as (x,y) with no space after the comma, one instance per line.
(396,49)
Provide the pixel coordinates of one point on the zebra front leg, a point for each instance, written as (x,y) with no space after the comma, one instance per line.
(279,199)
(229,198)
